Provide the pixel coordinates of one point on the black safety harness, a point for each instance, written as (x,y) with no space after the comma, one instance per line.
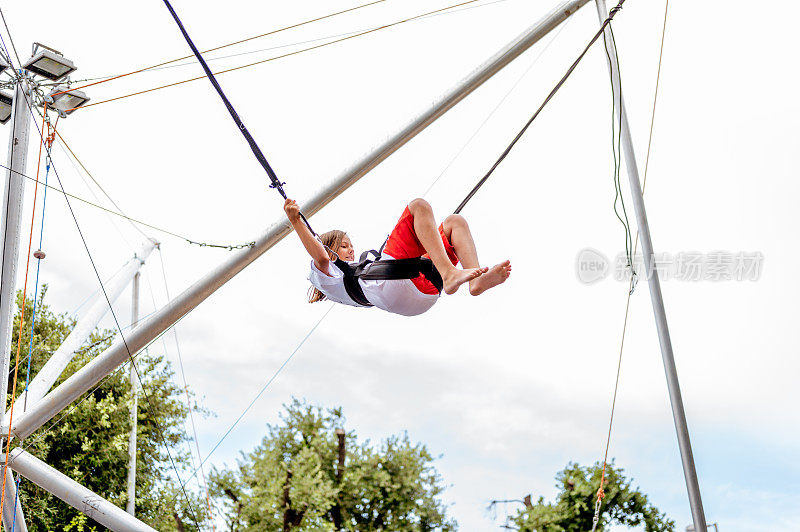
(375,269)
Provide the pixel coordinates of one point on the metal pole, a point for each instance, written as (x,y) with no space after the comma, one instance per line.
(131,506)
(72,493)
(11,215)
(54,367)
(117,354)
(673,385)
(11,522)
(13,196)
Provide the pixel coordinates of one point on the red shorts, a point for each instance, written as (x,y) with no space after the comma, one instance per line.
(404,244)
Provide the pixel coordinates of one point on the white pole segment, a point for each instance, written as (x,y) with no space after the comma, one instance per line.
(52,370)
(11,224)
(72,493)
(11,522)
(118,354)
(678,414)
(131,505)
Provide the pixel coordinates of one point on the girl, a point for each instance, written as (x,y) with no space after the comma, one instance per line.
(415,235)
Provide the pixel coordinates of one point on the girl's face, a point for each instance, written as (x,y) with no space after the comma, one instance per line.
(346,251)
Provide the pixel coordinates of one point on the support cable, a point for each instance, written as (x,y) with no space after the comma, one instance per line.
(632,282)
(88,173)
(597,35)
(262,390)
(297,25)
(228,247)
(389,25)
(185,384)
(271,48)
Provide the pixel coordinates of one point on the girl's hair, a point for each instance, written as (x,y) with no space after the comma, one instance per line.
(332,240)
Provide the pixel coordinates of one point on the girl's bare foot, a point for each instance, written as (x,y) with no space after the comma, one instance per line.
(496,275)
(456,277)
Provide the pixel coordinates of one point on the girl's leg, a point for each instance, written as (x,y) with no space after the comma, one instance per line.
(428,235)
(457,232)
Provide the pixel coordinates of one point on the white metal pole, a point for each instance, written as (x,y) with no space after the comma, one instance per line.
(12,522)
(678,414)
(11,224)
(118,354)
(131,505)
(51,371)
(72,493)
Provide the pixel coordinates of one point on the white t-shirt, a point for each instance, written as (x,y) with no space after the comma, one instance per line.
(398,296)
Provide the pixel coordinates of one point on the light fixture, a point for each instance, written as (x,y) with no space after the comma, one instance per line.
(65,100)
(3,64)
(49,63)
(6,101)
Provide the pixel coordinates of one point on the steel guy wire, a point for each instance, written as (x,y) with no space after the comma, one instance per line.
(134,220)
(185,382)
(262,390)
(389,25)
(167,65)
(296,43)
(109,78)
(107,215)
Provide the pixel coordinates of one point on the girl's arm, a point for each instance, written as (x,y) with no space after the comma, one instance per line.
(312,245)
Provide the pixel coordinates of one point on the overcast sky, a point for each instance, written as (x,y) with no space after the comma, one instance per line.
(511,386)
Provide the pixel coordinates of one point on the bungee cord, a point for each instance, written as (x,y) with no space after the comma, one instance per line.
(552,93)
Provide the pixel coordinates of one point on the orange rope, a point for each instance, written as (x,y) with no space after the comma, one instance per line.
(22,313)
(222,46)
(279,56)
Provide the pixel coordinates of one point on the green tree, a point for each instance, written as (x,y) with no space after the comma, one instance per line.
(90,442)
(298,478)
(573,509)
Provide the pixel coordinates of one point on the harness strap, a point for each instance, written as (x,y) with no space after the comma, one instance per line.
(351,283)
(369,269)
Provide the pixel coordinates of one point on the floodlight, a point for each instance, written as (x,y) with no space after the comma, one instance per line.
(3,63)
(65,100)
(6,102)
(50,65)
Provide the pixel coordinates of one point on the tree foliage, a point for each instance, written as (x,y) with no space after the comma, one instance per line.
(88,442)
(293,481)
(573,509)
